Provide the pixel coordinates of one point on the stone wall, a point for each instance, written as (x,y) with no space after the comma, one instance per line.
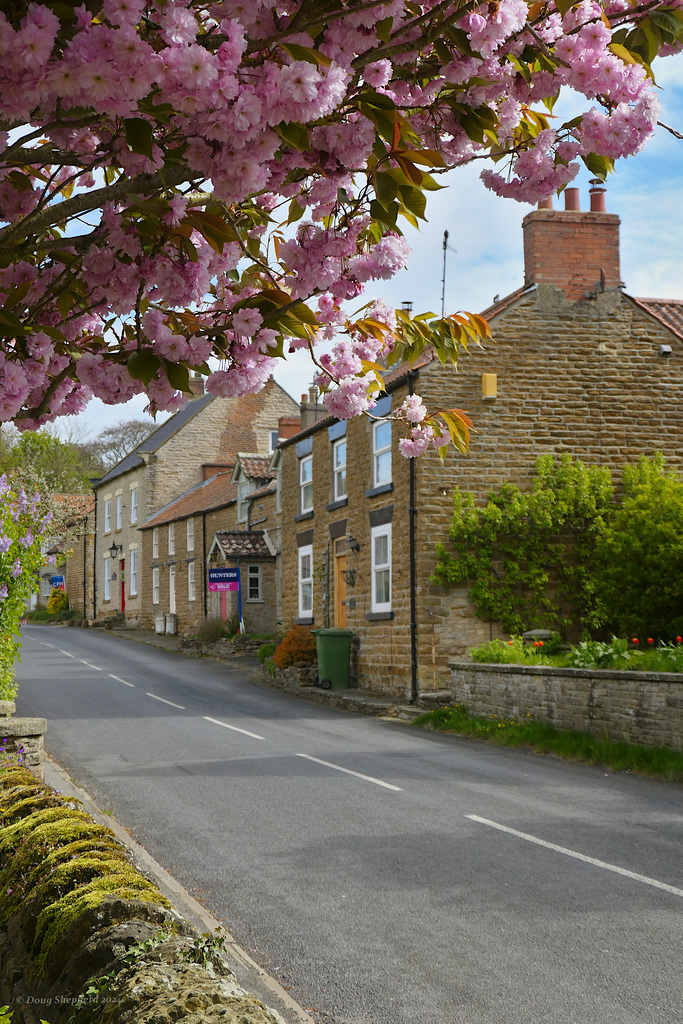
(22,739)
(636,707)
(79,576)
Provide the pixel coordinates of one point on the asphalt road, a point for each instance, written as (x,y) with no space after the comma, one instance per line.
(384,874)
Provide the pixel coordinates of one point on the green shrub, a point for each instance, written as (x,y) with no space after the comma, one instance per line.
(232,626)
(210,629)
(594,654)
(516,652)
(39,615)
(266,651)
(57,602)
(296,647)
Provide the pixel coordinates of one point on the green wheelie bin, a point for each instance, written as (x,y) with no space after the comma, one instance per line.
(334,653)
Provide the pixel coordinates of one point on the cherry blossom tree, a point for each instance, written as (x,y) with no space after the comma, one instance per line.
(183,180)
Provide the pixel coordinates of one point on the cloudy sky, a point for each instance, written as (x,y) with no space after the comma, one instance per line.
(646,191)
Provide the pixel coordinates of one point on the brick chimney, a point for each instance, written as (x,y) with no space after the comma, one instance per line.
(288,426)
(570,248)
(196,384)
(310,409)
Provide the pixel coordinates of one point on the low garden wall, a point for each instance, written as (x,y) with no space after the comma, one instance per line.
(637,707)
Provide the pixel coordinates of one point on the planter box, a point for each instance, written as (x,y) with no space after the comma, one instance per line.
(637,707)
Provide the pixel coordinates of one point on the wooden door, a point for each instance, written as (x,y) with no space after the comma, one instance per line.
(340,583)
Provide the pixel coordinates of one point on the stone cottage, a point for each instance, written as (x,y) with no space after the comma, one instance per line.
(208,432)
(577,366)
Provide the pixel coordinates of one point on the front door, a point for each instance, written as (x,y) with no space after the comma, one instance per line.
(340,549)
(122,567)
(171,589)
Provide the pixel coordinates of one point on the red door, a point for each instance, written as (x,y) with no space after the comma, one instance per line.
(224,605)
(123,585)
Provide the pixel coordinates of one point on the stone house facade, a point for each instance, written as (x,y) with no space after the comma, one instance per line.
(577,366)
(207,433)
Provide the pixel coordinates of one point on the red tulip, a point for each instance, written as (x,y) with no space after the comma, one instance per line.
(509,643)
(650,640)
(679,639)
(635,640)
(540,643)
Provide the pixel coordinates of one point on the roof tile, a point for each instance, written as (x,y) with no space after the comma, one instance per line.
(243,544)
(216,492)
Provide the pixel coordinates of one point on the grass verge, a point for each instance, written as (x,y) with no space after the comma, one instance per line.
(570,745)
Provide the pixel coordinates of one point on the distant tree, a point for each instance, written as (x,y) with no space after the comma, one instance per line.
(40,461)
(115,442)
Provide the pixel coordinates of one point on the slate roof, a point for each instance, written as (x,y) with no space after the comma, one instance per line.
(216,492)
(244,544)
(157,438)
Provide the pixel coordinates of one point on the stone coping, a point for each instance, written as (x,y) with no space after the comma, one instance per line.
(23,727)
(571,673)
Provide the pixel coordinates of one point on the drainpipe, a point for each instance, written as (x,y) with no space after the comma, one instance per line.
(94,565)
(204,562)
(85,555)
(412,511)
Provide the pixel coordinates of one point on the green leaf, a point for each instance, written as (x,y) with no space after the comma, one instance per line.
(139,135)
(600,166)
(383,29)
(414,200)
(388,216)
(10,325)
(178,376)
(213,228)
(306,53)
(565,5)
(386,188)
(296,212)
(143,365)
(294,134)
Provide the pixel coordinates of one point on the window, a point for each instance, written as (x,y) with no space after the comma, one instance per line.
(306,582)
(190,534)
(381,452)
(133,572)
(339,468)
(171,538)
(273,441)
(107,515)
(381,568)
(119,507)
(242,492)
(155,586)
(254,583)
(155,542)
(134,505)
(107,579)
(191,589)
(306,483)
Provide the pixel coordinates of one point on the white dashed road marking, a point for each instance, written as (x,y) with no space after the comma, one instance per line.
(347,771)
(67,654)
(118,680)
(234,728)
(578,856)
(96,667)
(164,701)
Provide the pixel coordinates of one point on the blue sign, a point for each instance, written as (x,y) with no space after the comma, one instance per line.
(224,579)
(57,582)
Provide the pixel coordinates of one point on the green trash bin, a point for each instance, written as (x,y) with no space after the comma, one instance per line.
(334,653)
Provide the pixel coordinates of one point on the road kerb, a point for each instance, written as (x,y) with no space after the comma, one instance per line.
(249,974)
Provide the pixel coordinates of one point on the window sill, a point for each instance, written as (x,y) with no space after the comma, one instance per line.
(304,622)
(339,503)
(255,600)
(378,616)
(304,515)
(382,489)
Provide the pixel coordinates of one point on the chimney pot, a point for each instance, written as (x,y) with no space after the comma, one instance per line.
(597,194)
(545,204)
(304,399)
(571,199)
(313,394)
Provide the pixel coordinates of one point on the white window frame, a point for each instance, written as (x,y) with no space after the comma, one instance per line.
(107,516)
(242,500)
(155,542)
(380,567)
(133,573)
(304,484)
(305,582)
(171,538)
(254,573)
(189,535)
(377,452)
(133,504)
(155,585)
(339,470)
(107,579)
(191,584)
(278,488)
(119,511)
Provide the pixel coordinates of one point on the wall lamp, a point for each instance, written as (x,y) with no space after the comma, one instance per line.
(354,545)
(114,550)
